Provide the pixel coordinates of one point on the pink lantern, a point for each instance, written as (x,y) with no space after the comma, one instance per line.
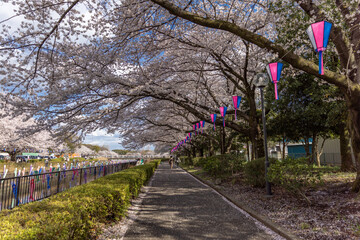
(202,123)
(236,102)
(223,113)
(194,127)
(274,71)
(319,36)
(213,119)
(198,126)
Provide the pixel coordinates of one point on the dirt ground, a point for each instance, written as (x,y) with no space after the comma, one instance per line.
(334,212)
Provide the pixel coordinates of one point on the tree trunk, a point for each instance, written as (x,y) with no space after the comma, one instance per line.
(12,156)
(320,151)
(189,154)
(307,149)
(284,146)
(194,152)
(260,147)
(223,140)
(354,110)
(279,149)
(201,152)
(230,142)
(253,124)
(211,148)
(248,151)
(345,150)
(253,147)
(314,149)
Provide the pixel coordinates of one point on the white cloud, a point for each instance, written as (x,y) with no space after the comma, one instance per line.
(7,11)
(101,132)
(102,138)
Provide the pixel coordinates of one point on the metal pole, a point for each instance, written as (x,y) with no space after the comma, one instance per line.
(18,191)
(58,182)
(223,140)
(267,163)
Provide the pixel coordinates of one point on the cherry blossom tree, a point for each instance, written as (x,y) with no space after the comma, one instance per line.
(15,138)
(84,151)
(345,36)
(91,73)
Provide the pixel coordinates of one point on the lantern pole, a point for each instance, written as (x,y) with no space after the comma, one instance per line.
(267,163)
(223,140)
(261,82)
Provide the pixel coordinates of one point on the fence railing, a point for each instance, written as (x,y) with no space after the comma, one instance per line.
(24,189)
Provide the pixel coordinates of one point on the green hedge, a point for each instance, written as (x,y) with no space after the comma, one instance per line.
(254,171)
(217,166)
(222,165)
(80,212)
(197,161)
(186,160)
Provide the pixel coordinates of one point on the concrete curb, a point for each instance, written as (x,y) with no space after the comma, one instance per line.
(263,219)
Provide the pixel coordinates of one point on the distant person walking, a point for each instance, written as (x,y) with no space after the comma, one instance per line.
(177,161)
(171,162)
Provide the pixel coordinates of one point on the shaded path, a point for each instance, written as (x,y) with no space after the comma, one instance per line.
(177,206)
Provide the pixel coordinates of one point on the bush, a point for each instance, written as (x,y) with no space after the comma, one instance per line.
(57,160)
(293,175)
(254,172)
(222,165)
(187,161)
(196,161)
(79,212)
(35,160)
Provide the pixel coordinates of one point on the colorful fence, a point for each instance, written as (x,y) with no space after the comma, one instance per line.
(24,189)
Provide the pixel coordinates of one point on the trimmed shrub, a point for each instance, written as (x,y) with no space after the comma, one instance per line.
(222,165)
(254,172)
(197,161)
(77,213)
(294,175)
(187,161)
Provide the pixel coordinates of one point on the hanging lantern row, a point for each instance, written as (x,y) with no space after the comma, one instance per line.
(201,124)
(319,36)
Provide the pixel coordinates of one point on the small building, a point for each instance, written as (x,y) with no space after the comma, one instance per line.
(30,154)
(297,150)
(330,153)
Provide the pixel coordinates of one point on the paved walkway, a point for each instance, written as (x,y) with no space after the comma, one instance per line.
(178,206)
